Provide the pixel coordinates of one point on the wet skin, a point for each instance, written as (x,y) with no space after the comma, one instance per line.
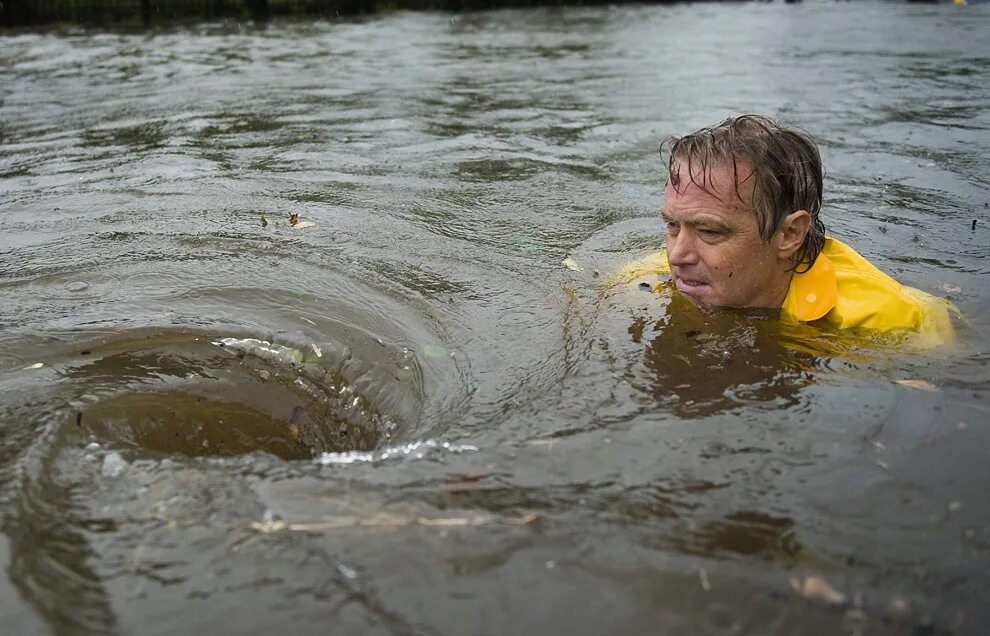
(717,257)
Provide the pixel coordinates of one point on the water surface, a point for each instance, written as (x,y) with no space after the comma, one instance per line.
(409,417)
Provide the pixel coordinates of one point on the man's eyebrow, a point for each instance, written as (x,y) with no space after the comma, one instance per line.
(713,223)
(707,222)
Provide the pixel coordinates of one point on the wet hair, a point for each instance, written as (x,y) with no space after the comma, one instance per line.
(787,172)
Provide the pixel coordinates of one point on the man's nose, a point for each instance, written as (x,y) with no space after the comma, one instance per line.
(681,250)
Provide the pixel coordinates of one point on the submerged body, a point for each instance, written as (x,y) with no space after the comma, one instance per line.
(841,290)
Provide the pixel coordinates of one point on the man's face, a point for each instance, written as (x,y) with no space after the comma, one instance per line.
(716,256)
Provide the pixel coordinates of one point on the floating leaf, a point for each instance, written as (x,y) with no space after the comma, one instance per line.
(921,385)
(302,225)
(36,365)
(954,506)
(264,221)
(571,264)
(433,351)
(296,293)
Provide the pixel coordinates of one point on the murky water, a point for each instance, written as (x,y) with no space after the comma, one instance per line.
(409,417)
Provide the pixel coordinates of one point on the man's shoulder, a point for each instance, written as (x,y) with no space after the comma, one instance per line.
(856,276)
(872,299)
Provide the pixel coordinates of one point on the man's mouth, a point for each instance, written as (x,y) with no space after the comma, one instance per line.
(690,286)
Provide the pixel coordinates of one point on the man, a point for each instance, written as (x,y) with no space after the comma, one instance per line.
(742,206)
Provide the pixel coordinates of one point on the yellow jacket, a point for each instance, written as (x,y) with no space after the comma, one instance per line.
(842,289)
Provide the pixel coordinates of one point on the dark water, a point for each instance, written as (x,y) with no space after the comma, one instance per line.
(451,432)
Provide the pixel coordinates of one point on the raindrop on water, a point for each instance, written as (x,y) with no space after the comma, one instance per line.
(76,286)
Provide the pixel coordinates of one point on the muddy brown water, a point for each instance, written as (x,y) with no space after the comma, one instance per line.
(409,417)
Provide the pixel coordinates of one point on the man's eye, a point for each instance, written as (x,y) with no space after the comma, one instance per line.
(710,233)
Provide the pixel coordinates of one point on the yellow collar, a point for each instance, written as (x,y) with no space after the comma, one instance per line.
(813,293)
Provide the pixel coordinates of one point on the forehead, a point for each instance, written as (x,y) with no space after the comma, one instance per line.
(719,186)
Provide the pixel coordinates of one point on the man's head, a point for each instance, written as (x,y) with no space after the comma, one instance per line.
(741,206)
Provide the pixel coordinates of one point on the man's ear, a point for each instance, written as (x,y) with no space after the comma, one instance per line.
(791,233)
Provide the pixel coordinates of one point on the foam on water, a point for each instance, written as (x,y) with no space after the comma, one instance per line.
(415,450)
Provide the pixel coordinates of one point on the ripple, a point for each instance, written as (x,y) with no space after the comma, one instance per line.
(76,286)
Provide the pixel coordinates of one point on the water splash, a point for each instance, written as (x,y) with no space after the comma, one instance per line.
(415,450)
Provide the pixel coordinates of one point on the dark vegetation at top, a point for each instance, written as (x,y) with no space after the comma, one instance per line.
(15,13)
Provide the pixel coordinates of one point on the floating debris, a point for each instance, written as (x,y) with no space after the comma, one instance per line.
(532,517)
(382,520)
(296,434)
(454,521)
(264,221)
(815,588)
(293,218)
(269,526)
(703,577)
(301,225)
(921,385)
(571,264)
(36,365)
